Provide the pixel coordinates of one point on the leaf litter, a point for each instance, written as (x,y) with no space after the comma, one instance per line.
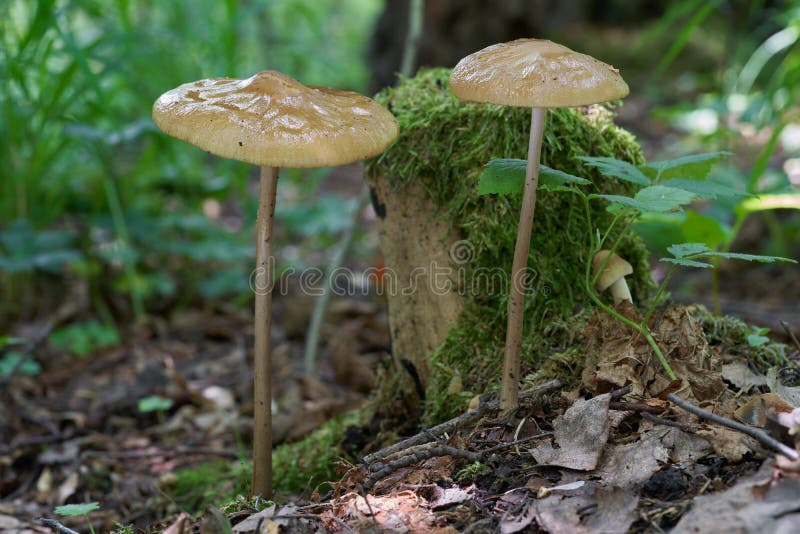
(598,458)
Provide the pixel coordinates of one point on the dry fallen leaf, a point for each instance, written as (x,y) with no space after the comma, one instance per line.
(581,434)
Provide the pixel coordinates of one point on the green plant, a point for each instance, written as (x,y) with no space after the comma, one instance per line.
(664,187)
(471,473)
(81,339)
(154,403)
(74,510)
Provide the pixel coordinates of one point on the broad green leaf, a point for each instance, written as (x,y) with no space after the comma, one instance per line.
(681,250)
(770,202)
(655,198)
(699,228)
(748,257)
(695,167)
(10,360)
(503,177)
(506,176)
(756,340)
(154,403)
(617,168)
(77,509)
(704,188)
(687,263)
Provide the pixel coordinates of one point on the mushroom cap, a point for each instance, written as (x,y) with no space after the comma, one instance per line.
(273,120)
(616,268)
(535,73)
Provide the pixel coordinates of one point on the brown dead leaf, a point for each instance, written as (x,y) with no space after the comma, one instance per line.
(757,410)
(617,356)
(741,376)
(581,433)
(729,444)
(182,525)
(630,465)
(399,512)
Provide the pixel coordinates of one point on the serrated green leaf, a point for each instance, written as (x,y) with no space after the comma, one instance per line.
(699,228)
(748,257)
(656,198)
(704,188)
(687,263)
(506,176)
(503,176)
(617,168)
(77,509)
(694,167)
(681,250)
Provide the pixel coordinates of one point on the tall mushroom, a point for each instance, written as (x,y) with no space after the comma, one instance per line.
(273,121)
(538,74)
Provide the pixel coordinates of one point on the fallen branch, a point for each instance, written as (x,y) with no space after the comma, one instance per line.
(755,433)
(55,525)
(634,407)
(462,420)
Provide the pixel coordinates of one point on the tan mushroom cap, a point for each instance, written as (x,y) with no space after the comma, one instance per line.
(273,120)
(616,268)
(535,73)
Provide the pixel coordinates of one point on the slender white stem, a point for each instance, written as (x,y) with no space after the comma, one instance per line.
(262,394)
(509,392)
(619,290)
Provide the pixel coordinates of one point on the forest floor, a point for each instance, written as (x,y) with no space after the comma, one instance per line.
(569,461)
(588,459)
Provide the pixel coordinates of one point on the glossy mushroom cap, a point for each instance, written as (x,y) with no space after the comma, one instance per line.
(273,120)
(615,269)
(535,73)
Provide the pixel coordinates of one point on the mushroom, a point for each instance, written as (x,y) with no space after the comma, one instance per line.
(538,74)
(273,121)
(612,275)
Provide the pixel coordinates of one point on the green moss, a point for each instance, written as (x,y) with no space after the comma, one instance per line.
(211,482)
(308,463)
(731,334)
(443,145)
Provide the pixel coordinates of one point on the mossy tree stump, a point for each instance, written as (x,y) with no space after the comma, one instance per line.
(448,250)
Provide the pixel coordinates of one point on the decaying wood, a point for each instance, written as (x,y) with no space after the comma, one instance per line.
(414,242)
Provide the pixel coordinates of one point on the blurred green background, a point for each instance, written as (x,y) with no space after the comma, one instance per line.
(92,193)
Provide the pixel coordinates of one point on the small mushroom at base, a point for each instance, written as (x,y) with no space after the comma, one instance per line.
(613,275)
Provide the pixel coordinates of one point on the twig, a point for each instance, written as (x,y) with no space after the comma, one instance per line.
(619,393)
(418,456)
(52,523)
(634,407)
(457,422)
(755,433)
(666,422)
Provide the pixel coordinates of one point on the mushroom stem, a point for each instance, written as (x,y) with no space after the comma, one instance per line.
(619,290)
(509,392)
(262,395)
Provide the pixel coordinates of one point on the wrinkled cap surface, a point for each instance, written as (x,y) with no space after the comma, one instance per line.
(535,73)
(271,119)
(615,269)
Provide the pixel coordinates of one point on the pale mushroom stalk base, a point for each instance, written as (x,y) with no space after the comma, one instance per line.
(262,396)
(619,290)
(509,392)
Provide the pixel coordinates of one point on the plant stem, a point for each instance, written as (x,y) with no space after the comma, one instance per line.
(121,229)
(321,306)
(262,395)
(516,301)
(415,14)
(660,291)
